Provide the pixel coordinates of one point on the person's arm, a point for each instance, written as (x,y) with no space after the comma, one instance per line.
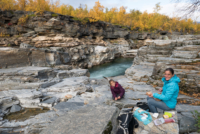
(113,93)
(121,91)
(169,92)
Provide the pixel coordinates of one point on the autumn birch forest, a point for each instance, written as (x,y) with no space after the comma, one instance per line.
(134,19)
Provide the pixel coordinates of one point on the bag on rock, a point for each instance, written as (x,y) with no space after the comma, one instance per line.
(143,105)
(127,122)
(142,116)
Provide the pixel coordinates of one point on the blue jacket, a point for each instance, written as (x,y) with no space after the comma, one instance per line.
(170,92)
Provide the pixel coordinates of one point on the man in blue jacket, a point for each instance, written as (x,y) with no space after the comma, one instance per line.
(169,94)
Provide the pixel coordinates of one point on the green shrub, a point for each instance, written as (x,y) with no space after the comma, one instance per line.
(31,15)
(196,115)
(83,21)
(54,15)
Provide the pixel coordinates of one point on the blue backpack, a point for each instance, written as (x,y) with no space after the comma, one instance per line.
(139,116)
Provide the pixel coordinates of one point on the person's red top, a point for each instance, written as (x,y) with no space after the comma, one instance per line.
(117,90)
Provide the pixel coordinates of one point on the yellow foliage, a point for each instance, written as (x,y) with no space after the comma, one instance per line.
(133,19)
(23,19)
(4,35)
(8,4)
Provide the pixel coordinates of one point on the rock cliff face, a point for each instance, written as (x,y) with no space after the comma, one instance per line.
(53,39)
(82,55)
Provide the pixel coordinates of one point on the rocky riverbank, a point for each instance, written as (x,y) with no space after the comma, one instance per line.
(182,54)
(43,65)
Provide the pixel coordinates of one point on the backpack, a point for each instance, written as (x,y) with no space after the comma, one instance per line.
(143,105)
(127,122)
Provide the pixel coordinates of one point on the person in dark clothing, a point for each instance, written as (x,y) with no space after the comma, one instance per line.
(117,90)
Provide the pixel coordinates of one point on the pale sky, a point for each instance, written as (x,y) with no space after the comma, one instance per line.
(168,6)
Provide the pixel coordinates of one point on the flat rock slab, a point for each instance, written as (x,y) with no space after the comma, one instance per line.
(128,84)
(187,108)
(138,72)
(67,106)
(30,70)
(143,88)
(72,81)
(18,86)
(24,93)
(88,120)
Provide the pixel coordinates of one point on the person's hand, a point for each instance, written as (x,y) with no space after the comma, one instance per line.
(160,90)
(150,94)
(119,97)
(115,98)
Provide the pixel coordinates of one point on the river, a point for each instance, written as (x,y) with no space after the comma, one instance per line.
(115,68)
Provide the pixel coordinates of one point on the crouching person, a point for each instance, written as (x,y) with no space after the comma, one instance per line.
(117,90)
